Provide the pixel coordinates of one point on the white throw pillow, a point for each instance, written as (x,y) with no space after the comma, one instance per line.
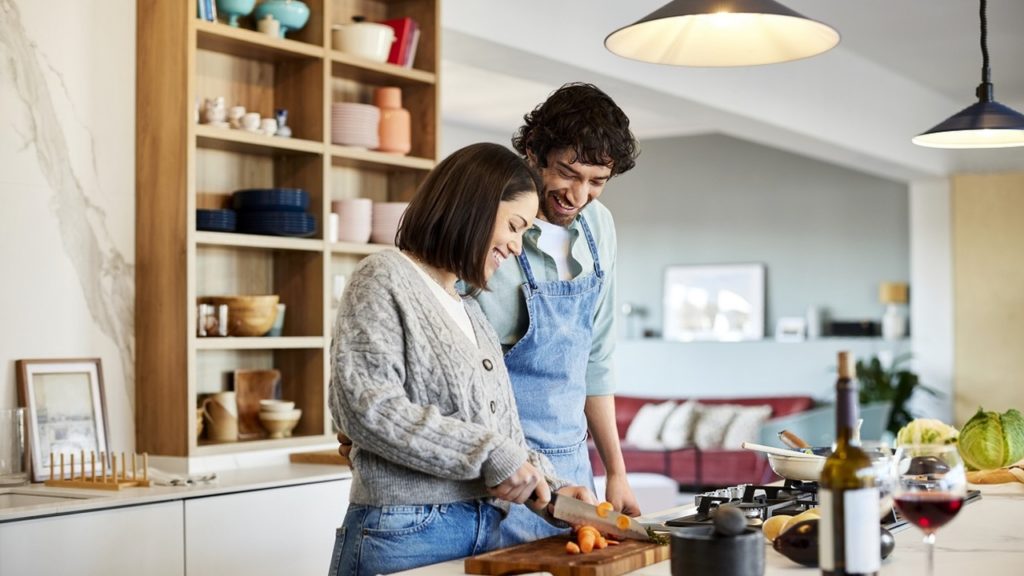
(712,423)
(677,432)
(645,429)
(745,426)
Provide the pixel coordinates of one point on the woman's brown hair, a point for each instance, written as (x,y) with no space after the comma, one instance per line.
(450,221)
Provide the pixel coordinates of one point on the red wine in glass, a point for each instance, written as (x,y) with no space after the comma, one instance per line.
(929,510)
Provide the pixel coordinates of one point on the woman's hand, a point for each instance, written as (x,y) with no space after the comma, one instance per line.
(525,482)
(345,446)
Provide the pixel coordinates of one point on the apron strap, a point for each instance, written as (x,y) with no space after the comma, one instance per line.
(525,264)
(592,244)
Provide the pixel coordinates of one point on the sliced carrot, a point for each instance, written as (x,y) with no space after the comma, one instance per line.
(572,548)
(587,539)
(601,543)
(604,508)
(612,542)
(622,522)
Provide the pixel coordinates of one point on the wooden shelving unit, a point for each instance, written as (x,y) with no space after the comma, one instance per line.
(182,166)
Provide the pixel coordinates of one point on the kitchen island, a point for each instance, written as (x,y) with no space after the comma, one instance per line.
(985,538)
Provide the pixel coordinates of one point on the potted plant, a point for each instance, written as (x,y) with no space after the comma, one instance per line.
(894,384)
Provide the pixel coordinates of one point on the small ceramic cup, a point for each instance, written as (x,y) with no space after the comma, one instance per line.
(251,122)
(268,126)
(269,26)
(235,114)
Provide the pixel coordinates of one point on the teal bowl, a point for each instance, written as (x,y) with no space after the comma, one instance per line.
(235,9)
(292,14)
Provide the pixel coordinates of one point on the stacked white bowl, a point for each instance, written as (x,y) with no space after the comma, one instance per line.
(354,124)
(386,218)
(354,219)
(279,417)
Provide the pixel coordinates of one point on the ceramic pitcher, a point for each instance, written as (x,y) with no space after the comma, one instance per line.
(220,410)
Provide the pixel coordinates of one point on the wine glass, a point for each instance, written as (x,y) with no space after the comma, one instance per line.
(929,488)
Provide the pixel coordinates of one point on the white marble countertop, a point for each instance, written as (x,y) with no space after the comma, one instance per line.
(227,481)
(985,538)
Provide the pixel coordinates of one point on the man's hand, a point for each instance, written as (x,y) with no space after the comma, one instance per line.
(525,482)
(345,446)
(620,495)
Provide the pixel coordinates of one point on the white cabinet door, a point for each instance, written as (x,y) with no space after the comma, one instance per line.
(121,541)
(273,532)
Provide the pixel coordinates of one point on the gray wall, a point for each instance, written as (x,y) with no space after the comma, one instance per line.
(827,235)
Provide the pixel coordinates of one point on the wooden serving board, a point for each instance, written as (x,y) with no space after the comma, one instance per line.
(321,457)
(549,555)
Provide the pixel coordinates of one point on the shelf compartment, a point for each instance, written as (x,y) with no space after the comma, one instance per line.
(295,276)
(351,67)
(207,448)
(217,37)
(232,140)
(426,14)
(257,241)
(260,343)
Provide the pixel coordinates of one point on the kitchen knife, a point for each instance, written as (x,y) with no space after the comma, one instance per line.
(575,511)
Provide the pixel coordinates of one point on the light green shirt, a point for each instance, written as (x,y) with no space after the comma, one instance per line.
(505,306)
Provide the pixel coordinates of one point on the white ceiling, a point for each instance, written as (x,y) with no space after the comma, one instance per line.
(901,67)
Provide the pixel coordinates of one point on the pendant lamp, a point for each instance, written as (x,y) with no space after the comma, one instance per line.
(722,33)
(986,124)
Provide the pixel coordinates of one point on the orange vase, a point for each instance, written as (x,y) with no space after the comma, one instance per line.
(395,123)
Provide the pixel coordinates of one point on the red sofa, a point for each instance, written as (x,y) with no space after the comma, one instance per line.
(690,466)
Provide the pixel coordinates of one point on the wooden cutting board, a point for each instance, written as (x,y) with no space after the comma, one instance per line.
(548,555)
(321,457)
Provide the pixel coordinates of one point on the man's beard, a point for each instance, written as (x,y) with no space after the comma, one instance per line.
(551,215)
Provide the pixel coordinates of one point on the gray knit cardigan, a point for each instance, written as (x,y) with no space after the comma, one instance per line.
(432,416)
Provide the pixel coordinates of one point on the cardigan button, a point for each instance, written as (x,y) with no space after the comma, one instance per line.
(494,407)
(488,365)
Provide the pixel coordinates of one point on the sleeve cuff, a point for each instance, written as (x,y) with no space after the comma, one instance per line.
(503,462)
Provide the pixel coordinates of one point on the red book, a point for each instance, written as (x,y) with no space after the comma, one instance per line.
(403,34)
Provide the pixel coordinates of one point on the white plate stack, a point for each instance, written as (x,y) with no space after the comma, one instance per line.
(386,218)
(355,124)
(354,219)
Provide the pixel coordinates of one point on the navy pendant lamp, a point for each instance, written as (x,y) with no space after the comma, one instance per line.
(985,124)
(722,33)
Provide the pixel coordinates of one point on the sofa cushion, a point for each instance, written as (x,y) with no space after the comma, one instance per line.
(712,424)
(745,426)
(645,430)
(678,429)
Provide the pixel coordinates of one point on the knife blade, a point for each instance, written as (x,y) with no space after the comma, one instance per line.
(575,511)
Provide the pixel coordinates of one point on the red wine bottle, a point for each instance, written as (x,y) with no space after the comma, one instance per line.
(849,536)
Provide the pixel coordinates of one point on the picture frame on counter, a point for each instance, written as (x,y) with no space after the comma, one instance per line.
(715,302)
(66,409)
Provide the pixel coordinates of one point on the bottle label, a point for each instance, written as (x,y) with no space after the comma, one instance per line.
(849,536)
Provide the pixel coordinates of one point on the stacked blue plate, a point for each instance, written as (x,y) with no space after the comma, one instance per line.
(271,200)
(277,223)
(215,220)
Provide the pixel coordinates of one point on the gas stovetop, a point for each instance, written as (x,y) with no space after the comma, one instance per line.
(759,503)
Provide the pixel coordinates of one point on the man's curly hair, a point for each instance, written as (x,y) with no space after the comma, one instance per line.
(580,117)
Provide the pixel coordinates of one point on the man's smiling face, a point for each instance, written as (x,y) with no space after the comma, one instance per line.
(569,186)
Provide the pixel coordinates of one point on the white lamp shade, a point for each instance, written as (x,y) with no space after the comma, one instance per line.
(697,33)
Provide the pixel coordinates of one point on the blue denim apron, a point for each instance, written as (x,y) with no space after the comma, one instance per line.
(548,368)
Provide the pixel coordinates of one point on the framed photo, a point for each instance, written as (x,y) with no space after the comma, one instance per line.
(66,414)
(714,302)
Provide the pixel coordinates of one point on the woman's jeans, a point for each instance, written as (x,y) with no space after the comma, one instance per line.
(384,539)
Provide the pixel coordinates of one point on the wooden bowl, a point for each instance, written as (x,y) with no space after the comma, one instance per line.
(280,424)
(248,315)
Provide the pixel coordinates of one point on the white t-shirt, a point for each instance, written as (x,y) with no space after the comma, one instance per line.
(455,309)
(554,241)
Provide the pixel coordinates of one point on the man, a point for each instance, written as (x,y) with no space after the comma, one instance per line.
(554,312)
(554,309)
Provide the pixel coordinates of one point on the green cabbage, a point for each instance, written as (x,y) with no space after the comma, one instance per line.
(992,440)
(926,431)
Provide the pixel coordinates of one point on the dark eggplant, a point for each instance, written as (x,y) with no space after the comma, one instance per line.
(799,543)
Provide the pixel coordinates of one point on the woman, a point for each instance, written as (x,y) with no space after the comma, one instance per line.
(418,382)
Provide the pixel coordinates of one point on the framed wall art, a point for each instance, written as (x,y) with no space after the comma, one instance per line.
(66,410)
(721,302)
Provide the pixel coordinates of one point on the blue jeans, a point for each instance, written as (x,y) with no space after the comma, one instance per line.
(385,539)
